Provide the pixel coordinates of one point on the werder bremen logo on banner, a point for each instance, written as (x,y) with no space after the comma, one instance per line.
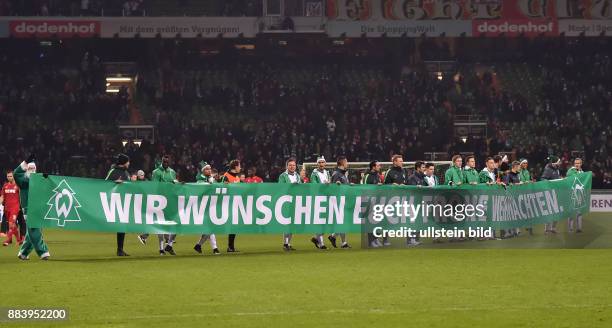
(578,195)
(63,205)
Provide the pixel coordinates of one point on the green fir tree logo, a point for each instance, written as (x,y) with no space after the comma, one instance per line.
(578,195)
(63,205)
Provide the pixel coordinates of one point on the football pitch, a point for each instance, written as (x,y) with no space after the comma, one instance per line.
(526,281)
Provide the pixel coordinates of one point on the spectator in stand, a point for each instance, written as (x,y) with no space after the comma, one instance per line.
(85,7)
(133,8)
(44,9)
(5,8)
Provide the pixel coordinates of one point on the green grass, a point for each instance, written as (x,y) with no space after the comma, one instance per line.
(477,285)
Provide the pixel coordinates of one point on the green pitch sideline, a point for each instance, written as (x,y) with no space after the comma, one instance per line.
(33,238)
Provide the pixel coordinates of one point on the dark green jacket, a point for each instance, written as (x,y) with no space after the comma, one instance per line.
(484,177)
(470,175)
(161,175)
(454,174)
(284,178)
(201,178)
(524,175)
(572,171)
(315,178)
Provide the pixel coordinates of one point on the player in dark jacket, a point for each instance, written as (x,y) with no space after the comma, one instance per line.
(514,176)
(418,177)
(340,177)
(396,174)
(551,172)
(119,173)
(373,178)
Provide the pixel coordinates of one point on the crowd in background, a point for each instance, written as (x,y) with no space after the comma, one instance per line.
(132,7)
(56,106)
(264,110)
(266,117)
(569,114)
(73,7)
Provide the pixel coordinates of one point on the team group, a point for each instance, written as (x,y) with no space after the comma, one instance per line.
(496,171)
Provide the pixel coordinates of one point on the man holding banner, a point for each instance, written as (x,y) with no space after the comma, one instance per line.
(340,176)
(417,178)
(140,176)
(513,178)
(33,239)
(573,171)
(289,176)
(430,177)
(396,175)
(206,178)
(373,178)
(524,173)
(551,172)
(431,180)
(319,175)
(231,176)
(487,175)
(119,173)
(525,177)
(454,175)
(470,175)
(164,173)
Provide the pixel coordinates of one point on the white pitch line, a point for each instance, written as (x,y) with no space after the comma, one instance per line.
(354,311)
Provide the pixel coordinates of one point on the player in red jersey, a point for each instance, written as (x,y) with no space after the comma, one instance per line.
(252,176)
(9,197)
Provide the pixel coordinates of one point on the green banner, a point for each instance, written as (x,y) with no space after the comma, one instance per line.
(96,205)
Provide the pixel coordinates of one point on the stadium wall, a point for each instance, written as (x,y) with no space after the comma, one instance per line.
(601,201)
(249,27)
(4,29)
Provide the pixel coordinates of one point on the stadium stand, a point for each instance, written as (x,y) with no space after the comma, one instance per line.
(267,106)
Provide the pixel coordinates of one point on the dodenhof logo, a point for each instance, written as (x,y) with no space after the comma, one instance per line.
(515,27)
(63,205)
(578,195)
(51,27)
